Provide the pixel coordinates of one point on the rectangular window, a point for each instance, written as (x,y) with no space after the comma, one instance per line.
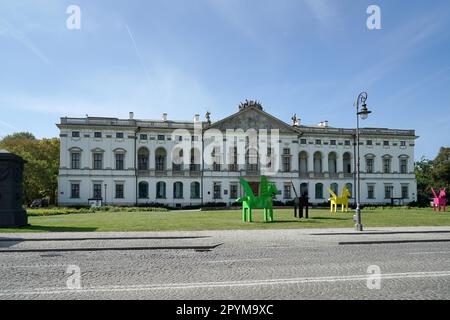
(405,192)
(287,191)
(386,165)
(119,135)
(302,141)
(76,160)
(286,164)
(385,143)
(75,134)
(119,191)
(217,190)
(75,191)
(143,137)
(98,161)
(161,137)
(369,142)
(403,166)
(347,142)
(369,165)
(371,192)
(402,143)
(318,141)
(333,142)
(233,191)
(97,191)
(97,135)
(120,159)
(388,192)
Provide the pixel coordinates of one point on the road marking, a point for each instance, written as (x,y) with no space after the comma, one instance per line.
(230,284)
(240,260)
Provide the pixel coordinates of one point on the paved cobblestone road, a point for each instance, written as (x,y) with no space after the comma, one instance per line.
(276,264)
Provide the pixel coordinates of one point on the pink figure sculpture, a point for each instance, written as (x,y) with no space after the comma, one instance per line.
(440,201)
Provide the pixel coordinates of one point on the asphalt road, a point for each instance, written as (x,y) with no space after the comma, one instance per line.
(414,263)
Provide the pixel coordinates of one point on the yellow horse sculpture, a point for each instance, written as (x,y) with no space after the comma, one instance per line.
(343,200)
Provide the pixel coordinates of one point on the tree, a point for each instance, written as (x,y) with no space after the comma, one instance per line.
(424,169)
(432,174)
(41,169)
(441,169)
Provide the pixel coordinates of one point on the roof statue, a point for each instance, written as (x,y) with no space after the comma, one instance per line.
(295,121)
(208,117)
(250,103)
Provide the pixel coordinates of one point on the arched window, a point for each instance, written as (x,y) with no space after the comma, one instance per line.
(195,190)
(143,190)
(335,188)
(317,162)
(319,191)
(160,159)
(216,158)
(143,157)
(178,190)
(332,162)
(347,162)
(303,162)
(161,190)
(177,160)
(252,160)
(195,160)
(350,189)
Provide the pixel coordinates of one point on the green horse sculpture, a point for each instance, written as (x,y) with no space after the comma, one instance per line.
(264,201)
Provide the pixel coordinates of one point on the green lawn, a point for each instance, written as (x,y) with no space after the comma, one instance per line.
(228,220)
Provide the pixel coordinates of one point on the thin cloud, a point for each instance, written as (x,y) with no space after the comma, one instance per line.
(324,11)
(138,53)
(7,30)
(8,125)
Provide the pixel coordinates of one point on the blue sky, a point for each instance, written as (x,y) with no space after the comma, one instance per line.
(309,57)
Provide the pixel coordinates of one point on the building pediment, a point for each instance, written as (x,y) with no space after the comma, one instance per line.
(253,118)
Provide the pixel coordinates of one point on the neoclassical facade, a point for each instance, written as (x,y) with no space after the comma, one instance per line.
(182,163)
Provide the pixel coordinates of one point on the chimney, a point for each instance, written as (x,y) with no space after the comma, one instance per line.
(131,115)
(325,123)
(197,118)
(164,117)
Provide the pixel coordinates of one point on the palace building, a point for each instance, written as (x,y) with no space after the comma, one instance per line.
(131,162)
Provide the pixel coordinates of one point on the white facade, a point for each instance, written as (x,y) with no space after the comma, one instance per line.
(128,162)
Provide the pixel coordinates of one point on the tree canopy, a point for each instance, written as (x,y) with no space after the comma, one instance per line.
(432,174)
(41,169)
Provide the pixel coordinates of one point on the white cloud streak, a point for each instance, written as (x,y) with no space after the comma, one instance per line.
(9,31)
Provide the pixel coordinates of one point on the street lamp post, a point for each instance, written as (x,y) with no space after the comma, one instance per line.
(363,114)
(105,194)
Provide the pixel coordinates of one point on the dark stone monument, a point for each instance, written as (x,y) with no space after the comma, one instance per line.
(12,213)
